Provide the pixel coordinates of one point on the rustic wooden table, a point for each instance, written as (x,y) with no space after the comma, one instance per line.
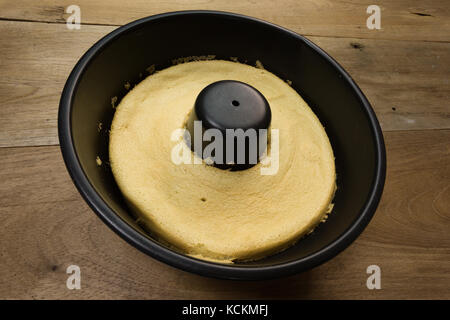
(403,68)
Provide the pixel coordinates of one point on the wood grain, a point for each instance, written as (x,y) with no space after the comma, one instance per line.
(46,226)
(400,19)
(35,61)
(406,81)
(403,69)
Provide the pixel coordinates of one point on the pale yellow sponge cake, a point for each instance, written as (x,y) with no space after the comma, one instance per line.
(204,211)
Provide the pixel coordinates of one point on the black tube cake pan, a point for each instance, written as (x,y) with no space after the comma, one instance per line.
(126,53)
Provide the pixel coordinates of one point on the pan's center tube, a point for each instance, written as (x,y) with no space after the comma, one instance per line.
(228,126)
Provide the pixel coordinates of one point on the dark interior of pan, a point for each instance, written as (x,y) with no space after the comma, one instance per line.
(125,54)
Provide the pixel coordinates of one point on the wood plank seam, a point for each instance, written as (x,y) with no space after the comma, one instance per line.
(302,34)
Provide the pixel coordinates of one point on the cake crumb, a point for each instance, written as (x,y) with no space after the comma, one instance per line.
(289,82)
(193,58)
(234,59)
(99,127)
(99,161)
(151,69)
(127,85)
(113,102)
(259,65)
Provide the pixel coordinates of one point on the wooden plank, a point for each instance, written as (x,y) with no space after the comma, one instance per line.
(46,226)
(35,61)
(401,19)
(406,81)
